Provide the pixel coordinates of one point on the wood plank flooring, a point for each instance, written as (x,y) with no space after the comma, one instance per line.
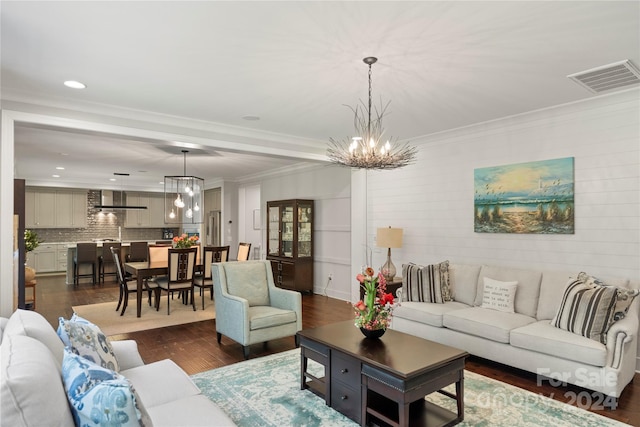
(194,348)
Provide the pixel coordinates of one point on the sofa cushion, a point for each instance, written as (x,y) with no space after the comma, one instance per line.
(490,324)
(545,338)
(430,314)
(463,281)
(192,411)
(552,287)
(428,283)
(586,309)
(31,391)
(160,382)
(248,280)
(88,341)
(34,325)
(528,286)
(261,317)
(97,395)
(499,295)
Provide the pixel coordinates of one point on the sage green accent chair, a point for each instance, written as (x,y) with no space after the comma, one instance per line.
(250,308)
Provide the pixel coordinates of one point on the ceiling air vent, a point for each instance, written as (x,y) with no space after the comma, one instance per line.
(608,77)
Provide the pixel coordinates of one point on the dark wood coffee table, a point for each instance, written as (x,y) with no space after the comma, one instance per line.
(382,380)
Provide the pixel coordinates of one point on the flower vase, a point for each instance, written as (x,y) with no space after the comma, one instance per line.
(372,333)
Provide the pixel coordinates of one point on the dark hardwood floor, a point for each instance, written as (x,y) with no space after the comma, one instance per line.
(194,348)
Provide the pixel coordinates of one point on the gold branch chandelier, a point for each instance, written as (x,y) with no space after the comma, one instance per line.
(368,149)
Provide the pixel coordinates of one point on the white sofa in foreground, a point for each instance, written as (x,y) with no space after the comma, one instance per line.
(33,394)
(526,338)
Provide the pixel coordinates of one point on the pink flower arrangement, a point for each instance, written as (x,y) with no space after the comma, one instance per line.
(374,312)
(182,242)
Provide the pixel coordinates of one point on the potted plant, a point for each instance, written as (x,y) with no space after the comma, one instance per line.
(31,241)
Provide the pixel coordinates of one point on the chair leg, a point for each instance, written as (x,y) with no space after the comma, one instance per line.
(125,303)
(193,299)
(296,339)
(167,306)
(202,297)
(119,299)
(218,337)
(245,351)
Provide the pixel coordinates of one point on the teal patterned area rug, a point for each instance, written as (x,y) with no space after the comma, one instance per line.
(266,392)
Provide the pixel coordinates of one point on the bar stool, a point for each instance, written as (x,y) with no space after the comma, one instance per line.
(30,302)
(138,252)
(86,253)
(106,260)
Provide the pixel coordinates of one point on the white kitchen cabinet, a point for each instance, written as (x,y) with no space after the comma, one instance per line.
(46,208)
(71,209)
(152,217)
(44,259)
(40,208)
(156,211)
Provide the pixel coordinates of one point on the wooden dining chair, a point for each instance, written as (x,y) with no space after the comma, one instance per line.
(158,253)
(181,270)
(244,249)
(129,285)
(211,254)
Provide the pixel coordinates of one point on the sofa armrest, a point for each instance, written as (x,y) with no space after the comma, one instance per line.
(287,300)
(127,354)
(621,333)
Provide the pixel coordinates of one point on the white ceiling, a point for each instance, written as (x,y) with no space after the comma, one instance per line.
(443,65)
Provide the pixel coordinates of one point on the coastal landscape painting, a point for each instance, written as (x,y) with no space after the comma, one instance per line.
(534,197)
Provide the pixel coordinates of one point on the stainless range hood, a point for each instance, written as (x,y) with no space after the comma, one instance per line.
(107,202)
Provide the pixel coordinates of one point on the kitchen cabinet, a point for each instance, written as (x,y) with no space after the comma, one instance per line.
(71,209)
(44,258)
(46,208)
(40,208)
(152,217)
(290,243)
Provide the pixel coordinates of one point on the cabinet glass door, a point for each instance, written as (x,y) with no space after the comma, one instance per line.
(287,231)
(304,231)
(274,230)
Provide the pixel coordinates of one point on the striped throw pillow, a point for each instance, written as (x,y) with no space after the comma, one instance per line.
(429,283)
(586,309)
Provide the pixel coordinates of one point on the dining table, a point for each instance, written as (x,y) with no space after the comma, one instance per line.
(142,270)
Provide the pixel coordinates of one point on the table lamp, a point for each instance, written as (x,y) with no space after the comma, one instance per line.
(389,238)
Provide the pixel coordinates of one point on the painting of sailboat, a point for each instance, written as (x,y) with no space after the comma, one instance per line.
(534,197)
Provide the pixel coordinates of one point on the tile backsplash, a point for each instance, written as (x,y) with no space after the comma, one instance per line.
(100,225)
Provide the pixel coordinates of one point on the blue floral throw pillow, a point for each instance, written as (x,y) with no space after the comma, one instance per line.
(88,341)
(63,327)
(98,396)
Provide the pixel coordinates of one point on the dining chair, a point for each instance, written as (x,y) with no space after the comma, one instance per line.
(129,285)
(106,260)
(158,253)
(180,275)
(211,254)
(244,249)
(86,253)
(138,252)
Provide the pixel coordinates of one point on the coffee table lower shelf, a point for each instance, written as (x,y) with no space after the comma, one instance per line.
(421,413)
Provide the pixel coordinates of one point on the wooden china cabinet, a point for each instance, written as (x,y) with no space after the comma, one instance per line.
(290,243)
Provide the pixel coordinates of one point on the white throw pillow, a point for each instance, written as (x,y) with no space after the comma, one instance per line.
(499,295)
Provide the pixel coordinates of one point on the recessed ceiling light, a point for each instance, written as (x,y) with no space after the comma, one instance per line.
(112,179)
(64,154)
(161,182)
(251,118)
(74,84)
(60,168)
(56,176)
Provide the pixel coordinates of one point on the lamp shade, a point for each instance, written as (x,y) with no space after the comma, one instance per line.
(389,237)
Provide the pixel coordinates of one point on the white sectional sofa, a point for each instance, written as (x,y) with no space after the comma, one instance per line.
(33,394)
(526,339)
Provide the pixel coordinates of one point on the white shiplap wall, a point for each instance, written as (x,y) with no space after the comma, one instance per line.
(433,199)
